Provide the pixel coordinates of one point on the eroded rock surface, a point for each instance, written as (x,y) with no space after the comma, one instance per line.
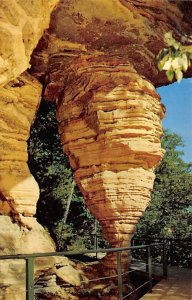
(130,31)
(22,23)
(110,128)
(97,61)
(21,26)
(19,103)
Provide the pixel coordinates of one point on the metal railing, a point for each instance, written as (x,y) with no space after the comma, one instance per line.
(30,258)
(178,250)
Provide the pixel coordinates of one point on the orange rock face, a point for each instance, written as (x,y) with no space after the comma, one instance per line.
(19,101)
(19,191)
(21,26)
(97,61)
(110,127)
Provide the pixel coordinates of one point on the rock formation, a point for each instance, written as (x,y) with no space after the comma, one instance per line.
(97,62)
(22,24)
(19,191)
(100,68)
(110,129)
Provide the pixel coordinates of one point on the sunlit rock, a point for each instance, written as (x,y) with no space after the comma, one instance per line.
(97,61)
(112,137)
(21,26)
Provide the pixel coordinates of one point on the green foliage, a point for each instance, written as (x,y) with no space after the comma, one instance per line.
(175,59)
(169,214)
(51,169)
(49,166)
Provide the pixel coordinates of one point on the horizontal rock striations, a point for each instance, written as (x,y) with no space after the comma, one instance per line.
(19,102)
(110,126)
(97,61)
(22,23)
(132,31)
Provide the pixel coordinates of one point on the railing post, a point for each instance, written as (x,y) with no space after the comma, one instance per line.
(149,262)
(146,261)
(119,272)
(147,242)
(29,278)
(164,261)
(96,245)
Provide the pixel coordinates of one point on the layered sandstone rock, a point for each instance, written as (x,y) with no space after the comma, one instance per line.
(19,230)
(132,31)
(19,102)
(97,61)
(22,23)
(100,69)
(110,127)
(21,26)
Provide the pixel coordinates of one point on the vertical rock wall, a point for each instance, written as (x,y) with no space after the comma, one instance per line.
(19,102)
(22,24)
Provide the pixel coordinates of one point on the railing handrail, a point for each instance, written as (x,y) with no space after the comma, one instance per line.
(161,239)
(73,253)
(29,259)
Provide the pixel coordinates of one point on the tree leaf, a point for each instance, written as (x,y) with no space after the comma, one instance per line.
(170,74)
(177,63)
(185,63)
(167,64)
(178,75)
(168,38)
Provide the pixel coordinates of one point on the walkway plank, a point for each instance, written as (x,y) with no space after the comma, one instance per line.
(178,286)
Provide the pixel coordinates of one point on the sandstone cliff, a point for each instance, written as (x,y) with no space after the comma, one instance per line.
(97,62)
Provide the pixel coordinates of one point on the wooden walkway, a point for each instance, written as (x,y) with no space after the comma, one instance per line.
(178,286)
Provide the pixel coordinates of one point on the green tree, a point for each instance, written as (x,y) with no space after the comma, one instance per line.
(49,166)
(169,214)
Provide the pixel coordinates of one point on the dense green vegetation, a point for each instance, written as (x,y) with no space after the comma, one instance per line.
(169,215)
